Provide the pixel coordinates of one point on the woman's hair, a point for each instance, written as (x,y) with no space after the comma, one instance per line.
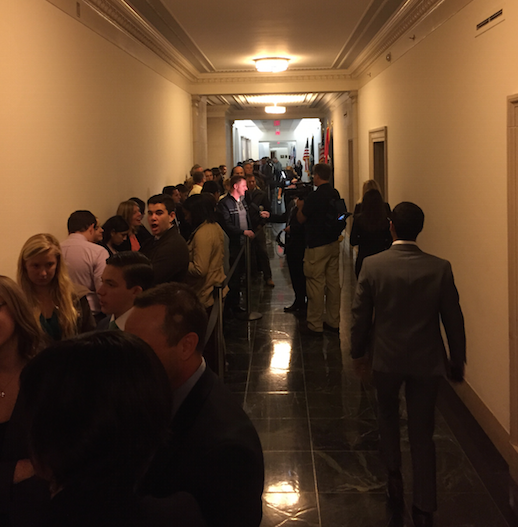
(140,203)
(61,289)
(374,211)
(115,223)
(201,207)
(369,185)
(27,329)
(99,407)
(126,210)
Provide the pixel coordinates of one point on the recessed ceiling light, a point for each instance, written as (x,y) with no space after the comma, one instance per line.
(271,64)
(275,99)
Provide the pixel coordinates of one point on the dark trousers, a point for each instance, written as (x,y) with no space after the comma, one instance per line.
(295,259)
(260,253)
(420,395)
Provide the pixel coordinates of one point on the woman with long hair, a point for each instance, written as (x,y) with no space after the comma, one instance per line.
(206,257)
(138,234)
(60,307)
(371,228)
(20,340)
(115,231)
(206,247)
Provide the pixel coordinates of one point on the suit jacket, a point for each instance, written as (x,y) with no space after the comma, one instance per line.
(215,455)
(402,296)
(169,256)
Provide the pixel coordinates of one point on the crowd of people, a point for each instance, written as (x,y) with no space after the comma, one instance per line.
(131,426)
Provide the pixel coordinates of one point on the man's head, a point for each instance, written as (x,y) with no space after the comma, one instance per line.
(321,173)
(238,186)
(160,213)
(171,319)
(216,173)
(223,170)
(211,187)
(198,177)
(184,192)
(84,222)
(237,171)
(126,275)
(168,190)
(407,221)
(195,168)
(209,176)
(250,182)
(248,167)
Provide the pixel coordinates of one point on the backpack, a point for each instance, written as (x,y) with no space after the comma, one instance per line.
(336,216)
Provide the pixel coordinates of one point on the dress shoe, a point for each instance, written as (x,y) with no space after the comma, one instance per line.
(291,309)
(327,327)
(269,282)
(395,493)
(304,330)
(422,518)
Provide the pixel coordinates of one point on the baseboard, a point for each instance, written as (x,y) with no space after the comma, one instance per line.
(498,435)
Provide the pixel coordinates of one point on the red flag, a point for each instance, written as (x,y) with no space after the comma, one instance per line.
(326,147)
(306,156)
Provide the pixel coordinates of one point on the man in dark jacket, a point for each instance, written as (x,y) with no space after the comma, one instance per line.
(214,452)
(167,250)
(238,227)
(259,211)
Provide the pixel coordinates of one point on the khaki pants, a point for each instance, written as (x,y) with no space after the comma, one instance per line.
(323,280)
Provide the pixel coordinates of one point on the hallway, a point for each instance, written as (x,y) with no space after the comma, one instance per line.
(318,429)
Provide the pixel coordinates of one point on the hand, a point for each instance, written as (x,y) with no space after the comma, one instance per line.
(300,203)
(264,214)
(456,373)
(287,229)
(23,470)
(250,234)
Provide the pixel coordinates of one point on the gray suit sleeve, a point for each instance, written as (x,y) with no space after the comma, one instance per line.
(452,318)
(362,312)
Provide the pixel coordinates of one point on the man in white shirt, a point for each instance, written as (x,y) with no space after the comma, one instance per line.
(84,258)
(126,275)
(198,178)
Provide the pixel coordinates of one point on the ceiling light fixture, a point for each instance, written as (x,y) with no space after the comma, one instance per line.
(275,109)
(271,64)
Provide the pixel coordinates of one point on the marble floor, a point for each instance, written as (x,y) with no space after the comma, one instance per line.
(317,425)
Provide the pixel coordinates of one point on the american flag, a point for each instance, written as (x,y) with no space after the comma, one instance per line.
(306,156)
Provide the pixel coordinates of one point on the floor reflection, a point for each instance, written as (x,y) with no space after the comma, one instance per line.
(317,424)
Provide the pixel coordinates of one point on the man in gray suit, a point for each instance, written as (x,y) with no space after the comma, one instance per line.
(402,296)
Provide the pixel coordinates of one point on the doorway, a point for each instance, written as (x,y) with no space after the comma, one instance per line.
(378,158)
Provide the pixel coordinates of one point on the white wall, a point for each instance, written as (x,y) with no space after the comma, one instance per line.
(444,103)
(84,125)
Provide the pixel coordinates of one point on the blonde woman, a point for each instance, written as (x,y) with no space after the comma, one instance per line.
(20,340)
(138,234)
(60,307)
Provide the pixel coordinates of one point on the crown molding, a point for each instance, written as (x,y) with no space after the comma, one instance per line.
(408,15)
(130,22)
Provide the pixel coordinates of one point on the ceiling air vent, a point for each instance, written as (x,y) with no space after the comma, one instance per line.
(490,19)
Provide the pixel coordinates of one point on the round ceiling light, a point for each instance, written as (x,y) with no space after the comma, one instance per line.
(275,109)
(271,64)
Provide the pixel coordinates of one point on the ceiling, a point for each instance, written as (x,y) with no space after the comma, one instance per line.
(225,36)
(210,47)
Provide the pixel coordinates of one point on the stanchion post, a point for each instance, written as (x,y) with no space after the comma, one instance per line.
(249,315)
(220,339)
